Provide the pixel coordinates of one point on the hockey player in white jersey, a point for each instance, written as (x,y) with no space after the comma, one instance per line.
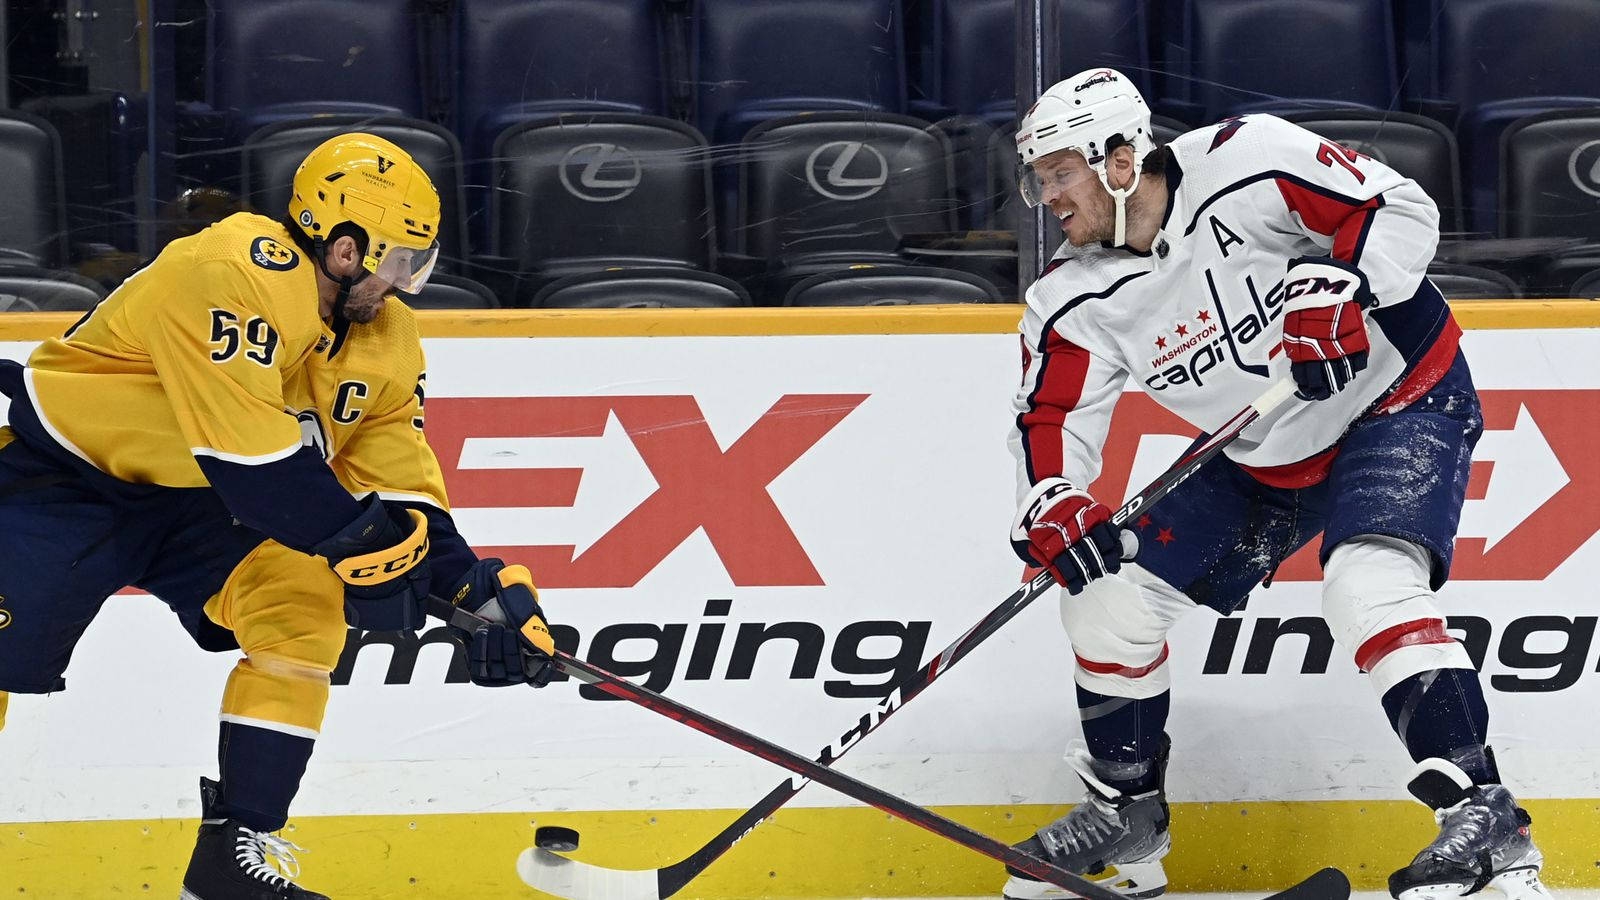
(1203,271)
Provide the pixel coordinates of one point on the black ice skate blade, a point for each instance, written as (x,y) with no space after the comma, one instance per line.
(1327,884)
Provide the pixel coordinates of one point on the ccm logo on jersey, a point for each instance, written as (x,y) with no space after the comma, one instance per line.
(269,254)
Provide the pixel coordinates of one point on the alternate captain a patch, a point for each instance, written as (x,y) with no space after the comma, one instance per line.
(269,254)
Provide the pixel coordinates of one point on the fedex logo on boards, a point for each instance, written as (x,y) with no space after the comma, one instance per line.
(699,484)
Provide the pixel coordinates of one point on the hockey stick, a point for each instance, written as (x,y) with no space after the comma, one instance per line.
(575,880)
(1327,884)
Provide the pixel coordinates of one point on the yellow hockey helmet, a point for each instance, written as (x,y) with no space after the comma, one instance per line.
(369,182)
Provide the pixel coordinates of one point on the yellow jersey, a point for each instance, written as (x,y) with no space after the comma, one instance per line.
(217,349)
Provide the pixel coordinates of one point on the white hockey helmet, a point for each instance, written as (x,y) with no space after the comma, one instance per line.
(1084,113)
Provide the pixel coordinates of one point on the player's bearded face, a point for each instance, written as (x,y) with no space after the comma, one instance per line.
(366,299)
(1075,195)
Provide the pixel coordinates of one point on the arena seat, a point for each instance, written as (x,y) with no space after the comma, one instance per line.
(1237,56)
(1587,285)
(1533,47)
(1550,176)
(274,152)
(289,59)
(840,182)
(1415,146)
(36,289)
(1463,282)
(756,60)
(642,288)
(444,291)
(891,286)
(518,60)
(584,192)
(968,51)
(33,218)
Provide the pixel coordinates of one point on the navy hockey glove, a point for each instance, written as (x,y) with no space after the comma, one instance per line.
(382,557)
(514,646)
(1323,332)
(1067,532)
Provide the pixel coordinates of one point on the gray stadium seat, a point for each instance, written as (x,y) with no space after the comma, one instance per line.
(33,215)
(641,289)
(444,291)
(35,289)
(1415,146)
(1463,282)
(841,182)
(1550,175)
(891,286)
(583,192)
(272,154)
(1588,285)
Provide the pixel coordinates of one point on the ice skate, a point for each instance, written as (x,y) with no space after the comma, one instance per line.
(232,862)
(1483,841)
(1117,840)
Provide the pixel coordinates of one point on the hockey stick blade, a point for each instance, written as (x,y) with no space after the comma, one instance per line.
(576,880)
(1325,884)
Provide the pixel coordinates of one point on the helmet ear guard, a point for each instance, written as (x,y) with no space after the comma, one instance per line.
(1093,112)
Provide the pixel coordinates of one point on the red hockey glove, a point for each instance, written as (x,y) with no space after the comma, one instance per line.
(1069,533)
(1323,332)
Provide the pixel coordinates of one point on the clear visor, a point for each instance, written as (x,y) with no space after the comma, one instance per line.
(1057,177)
(407,268)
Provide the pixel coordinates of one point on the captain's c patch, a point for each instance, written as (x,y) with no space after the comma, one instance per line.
(269,254)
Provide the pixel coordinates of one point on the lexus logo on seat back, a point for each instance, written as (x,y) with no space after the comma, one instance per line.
(1583,167)
(600,173)
(847,170)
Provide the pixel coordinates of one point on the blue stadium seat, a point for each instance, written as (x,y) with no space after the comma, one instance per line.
(762,59)
(1496,61)
(968,51)
(1238,56)
(290,59)
(519,60)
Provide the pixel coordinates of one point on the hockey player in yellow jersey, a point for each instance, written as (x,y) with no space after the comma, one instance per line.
(238,429)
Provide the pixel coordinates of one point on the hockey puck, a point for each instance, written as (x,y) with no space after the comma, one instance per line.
(556,838)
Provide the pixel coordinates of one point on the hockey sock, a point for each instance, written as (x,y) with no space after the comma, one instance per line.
(261,772)
(1125,736)
(1441,713)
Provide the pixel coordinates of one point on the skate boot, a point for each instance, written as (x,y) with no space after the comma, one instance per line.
(232,862)
(1483,841)
(1111,830)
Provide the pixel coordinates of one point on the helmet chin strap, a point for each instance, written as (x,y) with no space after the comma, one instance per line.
(345,282)
(1120,198)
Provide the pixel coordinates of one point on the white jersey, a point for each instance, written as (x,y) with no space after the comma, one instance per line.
(1197,322)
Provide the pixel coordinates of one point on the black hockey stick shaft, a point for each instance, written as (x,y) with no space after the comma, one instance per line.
(895,806)
(672,878)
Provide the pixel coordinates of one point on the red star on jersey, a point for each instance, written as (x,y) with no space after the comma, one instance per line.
(1204,315)
(1165,536)
(1183,331)
(1161,343)
(1144,521)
